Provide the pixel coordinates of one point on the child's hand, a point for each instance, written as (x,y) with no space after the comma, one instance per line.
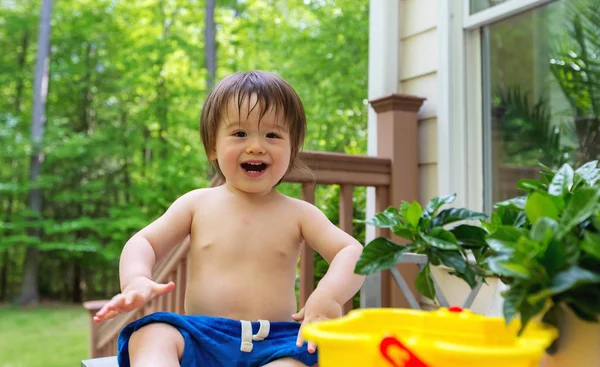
(318,308)
(135,295)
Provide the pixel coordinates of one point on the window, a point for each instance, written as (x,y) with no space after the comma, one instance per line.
(541,92)
(479,5)
(520,83)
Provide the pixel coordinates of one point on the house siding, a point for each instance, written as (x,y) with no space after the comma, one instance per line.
(418,67)
(417,70)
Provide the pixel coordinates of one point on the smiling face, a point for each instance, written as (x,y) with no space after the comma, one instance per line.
(266,94)
(252,151)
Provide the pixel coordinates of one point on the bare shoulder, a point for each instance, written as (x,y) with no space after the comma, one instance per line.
(198,193)
(303,208)
(196,198)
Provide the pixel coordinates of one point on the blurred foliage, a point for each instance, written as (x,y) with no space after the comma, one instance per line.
(127,81)
(576,68)
(559,121)
(527,131)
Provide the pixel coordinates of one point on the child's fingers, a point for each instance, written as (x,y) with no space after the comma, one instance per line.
(108,306)
(299,316)
(311,348)
(106,316)
(300,342)
(160,289)
(135,299)
(299,339)
(120,304)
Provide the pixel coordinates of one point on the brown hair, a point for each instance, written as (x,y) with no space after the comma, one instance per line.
(272,92)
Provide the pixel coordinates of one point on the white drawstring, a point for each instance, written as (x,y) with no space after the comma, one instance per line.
(247,337)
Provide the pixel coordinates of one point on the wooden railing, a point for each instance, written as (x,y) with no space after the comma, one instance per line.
(347,171)
(103,337)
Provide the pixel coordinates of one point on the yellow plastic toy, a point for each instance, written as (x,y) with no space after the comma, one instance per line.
(387,337)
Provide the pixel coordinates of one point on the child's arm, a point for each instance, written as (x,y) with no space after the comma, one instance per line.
(142,252)
(341,251)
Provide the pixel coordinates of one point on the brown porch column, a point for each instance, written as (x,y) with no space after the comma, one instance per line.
(397,139)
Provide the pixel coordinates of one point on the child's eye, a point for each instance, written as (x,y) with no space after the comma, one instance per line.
(272,136)
(239,134)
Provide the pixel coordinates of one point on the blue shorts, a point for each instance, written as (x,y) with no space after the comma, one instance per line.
(220,342)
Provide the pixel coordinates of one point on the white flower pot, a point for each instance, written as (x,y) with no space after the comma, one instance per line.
(578,346)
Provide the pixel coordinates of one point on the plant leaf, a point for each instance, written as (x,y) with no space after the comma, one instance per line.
(380,254)
(518,203)
(581,206)
(528,310)
(543,230)
(538,205)
(454,260)
(424,283)
(513,298)
(504,238)
(587,299)
(451,215)
(493,224)
(413,214)
(565,280)
(470,236)
(562,181)
(553,317)
(555,257)
(386,219)
(435,203)
(441,238)
(511,216)
(404,232)
(588,172)
(531,185)
(591,244)
(504,265)
(582,313)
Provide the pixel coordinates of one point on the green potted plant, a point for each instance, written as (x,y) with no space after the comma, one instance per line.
(546,248)
(427,231)
(544,245)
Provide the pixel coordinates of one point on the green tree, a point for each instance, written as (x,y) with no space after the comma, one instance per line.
(126,84)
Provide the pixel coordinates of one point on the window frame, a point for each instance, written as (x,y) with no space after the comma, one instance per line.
(464,136)
(496,13)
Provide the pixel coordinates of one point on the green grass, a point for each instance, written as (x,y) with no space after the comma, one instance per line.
(54,336)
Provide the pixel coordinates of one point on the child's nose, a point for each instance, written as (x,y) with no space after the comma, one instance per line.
(255,146)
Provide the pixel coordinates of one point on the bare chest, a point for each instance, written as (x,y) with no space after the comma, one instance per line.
(239,233)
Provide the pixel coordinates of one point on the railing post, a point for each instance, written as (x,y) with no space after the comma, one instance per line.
(397,139)
(345,217)
(307,255)
(92,307)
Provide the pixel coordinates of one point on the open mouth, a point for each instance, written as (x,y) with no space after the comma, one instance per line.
(254,167)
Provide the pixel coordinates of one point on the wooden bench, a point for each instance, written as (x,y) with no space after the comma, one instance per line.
(100,362)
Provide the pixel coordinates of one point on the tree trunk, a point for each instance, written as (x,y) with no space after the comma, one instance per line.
(21,60)
(4,275)
(6,257)
(77,293)
(210,55)
(210,44)
(22,56)
(29,287)
(105,281)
